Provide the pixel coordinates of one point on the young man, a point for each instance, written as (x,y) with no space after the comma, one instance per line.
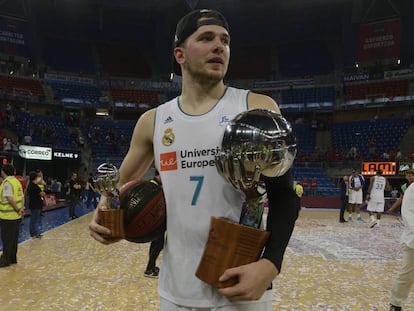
(375,197)
(405,279)
(356,183)
(35,197)
(11,213)
(180,136)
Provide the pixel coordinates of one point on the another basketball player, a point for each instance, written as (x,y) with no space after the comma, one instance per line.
(355,195)
(375,197)
(183,136)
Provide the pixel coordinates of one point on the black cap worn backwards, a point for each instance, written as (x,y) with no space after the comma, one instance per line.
(190,23)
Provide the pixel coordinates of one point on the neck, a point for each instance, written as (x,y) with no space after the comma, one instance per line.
(198,97)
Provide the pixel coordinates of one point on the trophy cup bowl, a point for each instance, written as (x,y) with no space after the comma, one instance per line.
(256,142)
(105,182)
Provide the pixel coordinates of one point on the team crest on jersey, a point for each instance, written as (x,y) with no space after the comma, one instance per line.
(168,138)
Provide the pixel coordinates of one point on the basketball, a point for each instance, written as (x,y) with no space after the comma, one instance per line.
(145,212)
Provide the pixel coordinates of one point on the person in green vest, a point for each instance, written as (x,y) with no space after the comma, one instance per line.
(11,213)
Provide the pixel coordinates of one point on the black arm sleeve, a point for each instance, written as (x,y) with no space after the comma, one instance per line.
(284,206)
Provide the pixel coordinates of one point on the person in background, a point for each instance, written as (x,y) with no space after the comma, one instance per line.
(375,197)
(344,187)
(91,200)
(314,185)
(156,246)
(74,194)
(11,213)
(35,197)
(405,279)
(355,195)
(195,120)
(409,175)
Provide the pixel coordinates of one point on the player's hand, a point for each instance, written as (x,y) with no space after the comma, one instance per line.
(98,232)
(253,278)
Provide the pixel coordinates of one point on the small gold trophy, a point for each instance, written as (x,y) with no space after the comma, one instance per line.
(105,181)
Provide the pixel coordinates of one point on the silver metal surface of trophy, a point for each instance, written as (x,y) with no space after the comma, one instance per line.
(256,142)
(105,182)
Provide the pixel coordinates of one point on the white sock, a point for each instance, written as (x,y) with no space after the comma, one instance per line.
(372,218)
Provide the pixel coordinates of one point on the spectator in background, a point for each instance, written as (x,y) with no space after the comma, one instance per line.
(35,197)
(398,156)
(305,185)
(91,200)
(353,153)
(314,185)
(74,194)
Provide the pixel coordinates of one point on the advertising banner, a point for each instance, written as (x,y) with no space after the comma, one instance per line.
(12,36)
(35,152)
(379,40)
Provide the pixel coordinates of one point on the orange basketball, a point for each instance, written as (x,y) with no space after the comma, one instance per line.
(145,211)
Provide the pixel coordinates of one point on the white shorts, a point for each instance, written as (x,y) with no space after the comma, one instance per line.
(355,197)
(375,206)
(265,305)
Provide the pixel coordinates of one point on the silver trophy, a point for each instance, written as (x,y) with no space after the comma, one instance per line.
(256,142)
(105,182)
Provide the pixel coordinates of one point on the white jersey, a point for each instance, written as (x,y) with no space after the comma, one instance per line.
(377,189)
(185,147)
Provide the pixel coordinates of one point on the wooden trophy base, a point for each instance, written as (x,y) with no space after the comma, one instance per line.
(229,245)
(113,219)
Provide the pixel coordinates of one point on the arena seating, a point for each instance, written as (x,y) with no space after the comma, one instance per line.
(309,97)
(326,187)
(130,95)
(46,130)
(388,89)
(15,84)
(108,138)
(305,136)
(77,93)
(387,133)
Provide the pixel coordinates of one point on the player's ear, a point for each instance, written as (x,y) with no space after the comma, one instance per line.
(179,55)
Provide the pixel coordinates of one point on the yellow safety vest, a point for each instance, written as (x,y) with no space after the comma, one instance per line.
(7,211)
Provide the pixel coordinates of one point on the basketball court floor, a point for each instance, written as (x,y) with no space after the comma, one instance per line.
(328,266)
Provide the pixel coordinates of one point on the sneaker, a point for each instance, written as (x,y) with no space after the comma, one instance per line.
(373,224)
(350,219)
(360,219)
(153,273)
(395,308)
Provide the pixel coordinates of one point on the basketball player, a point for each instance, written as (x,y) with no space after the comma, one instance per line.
(405,279)
(356,183)
(375,197)
(183,136)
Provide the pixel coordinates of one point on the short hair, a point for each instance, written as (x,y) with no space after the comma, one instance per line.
(8,169)
(33,175)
